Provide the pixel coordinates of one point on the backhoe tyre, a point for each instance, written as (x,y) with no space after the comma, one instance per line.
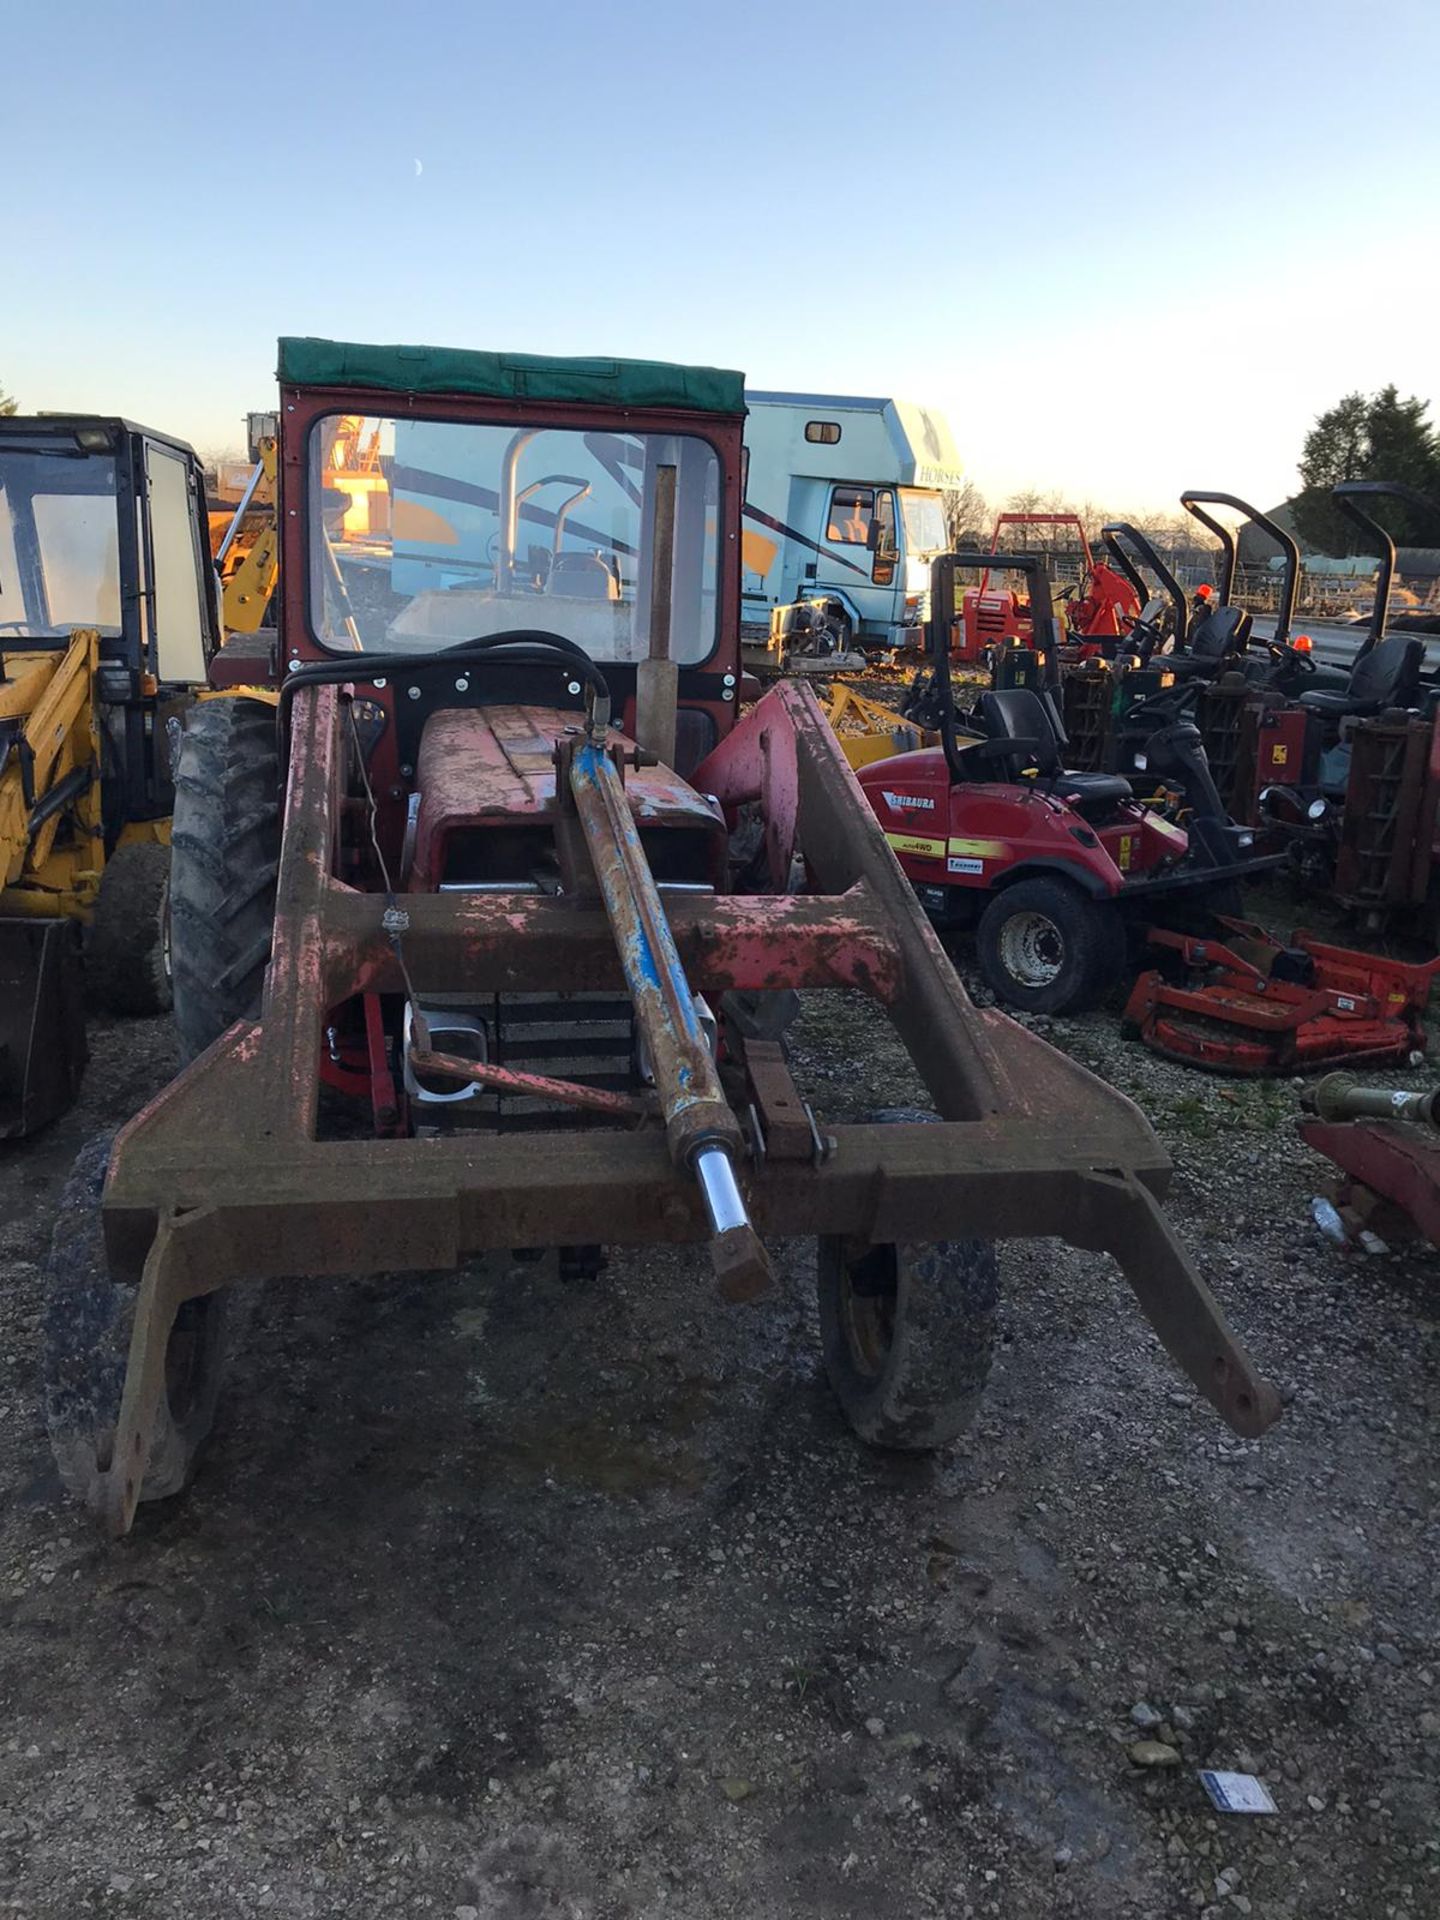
(225,852)
(88,1322)
(907,1330)
(127,947)
(1046,947)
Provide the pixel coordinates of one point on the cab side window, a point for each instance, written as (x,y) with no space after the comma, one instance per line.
(852,510)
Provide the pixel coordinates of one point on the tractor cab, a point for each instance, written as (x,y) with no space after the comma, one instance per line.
(103,528)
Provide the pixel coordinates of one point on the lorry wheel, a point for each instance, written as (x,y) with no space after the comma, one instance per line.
(88,1321)
(225,852)
(127,948)
(907,1329)
(1044,947)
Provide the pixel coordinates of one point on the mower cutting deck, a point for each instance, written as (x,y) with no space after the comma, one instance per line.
(511,949)
(1247,1003)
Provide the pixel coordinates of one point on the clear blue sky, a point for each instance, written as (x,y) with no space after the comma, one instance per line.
(1128,247)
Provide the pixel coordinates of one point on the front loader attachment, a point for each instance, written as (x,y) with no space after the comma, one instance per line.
(227,1176)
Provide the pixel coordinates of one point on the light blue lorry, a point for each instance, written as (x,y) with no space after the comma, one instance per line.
(844,505)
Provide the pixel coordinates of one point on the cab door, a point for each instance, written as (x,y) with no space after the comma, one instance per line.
(183,621)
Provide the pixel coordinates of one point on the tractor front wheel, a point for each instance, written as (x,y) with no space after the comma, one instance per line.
(907,1330)
(127,949)
(1046,947)
(224,859)
(88,1323)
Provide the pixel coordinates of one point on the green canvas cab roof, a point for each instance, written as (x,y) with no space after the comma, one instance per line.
(306,362)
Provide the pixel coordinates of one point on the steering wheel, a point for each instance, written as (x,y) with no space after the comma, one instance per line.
(1169,703)
(1291,657)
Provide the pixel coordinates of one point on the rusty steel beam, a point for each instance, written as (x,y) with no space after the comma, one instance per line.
(505,942)
(784,754)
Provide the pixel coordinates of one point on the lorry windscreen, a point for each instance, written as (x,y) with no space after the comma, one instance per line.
(924,517)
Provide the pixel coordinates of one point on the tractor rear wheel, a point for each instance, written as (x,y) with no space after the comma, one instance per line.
(127,949)
(88,1322)
(1046,947)
(907,1329)
(224,859)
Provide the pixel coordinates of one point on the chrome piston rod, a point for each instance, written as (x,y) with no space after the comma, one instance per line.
(702,1132)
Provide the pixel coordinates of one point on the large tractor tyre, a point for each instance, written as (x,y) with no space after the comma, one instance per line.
(225,852)
(127,949)
(907,1330)
(1046,947)
(88,1323)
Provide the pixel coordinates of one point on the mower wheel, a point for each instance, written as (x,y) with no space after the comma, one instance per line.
(225,855)
(88,1322)
(907,1329)
(1045,947)
(127,949)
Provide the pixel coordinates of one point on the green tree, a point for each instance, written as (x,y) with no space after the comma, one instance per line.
(8,404)
(1376,437)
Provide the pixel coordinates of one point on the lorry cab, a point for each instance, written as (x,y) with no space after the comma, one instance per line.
(845,502)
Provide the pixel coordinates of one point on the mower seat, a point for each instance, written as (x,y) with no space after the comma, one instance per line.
(1387,676)
(583,576)
(1223,631)
(1018,713)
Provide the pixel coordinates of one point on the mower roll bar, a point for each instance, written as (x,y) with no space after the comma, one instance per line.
(1346,494)
(1116,531)
(1043,623)
(1195,501)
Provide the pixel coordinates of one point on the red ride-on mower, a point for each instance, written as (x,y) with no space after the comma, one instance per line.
(1053,868)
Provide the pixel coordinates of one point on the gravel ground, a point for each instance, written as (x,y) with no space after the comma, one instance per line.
(499,1598)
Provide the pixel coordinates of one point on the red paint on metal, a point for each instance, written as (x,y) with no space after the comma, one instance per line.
(495,766)
(1400,1164)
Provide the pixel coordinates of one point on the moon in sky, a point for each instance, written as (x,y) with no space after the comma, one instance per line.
(418,169)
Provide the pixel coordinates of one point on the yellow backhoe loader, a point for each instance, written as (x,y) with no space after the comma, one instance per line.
(108,618)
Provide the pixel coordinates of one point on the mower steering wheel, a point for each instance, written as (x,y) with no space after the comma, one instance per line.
(1179,696)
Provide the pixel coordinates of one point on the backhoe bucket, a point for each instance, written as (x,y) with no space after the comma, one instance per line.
(42,1022)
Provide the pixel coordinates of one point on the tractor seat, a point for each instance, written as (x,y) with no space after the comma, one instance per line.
(1387,676)
(1017,713)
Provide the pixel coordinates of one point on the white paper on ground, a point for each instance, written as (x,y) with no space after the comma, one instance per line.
(1237,1792)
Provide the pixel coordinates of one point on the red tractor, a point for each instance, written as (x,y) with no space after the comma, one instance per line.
(1055,869)
(1102,608)
(485,939)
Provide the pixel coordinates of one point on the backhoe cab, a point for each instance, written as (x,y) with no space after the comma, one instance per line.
(107,621)
(512,969)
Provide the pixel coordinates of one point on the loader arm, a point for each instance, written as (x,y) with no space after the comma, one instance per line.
(47,734)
